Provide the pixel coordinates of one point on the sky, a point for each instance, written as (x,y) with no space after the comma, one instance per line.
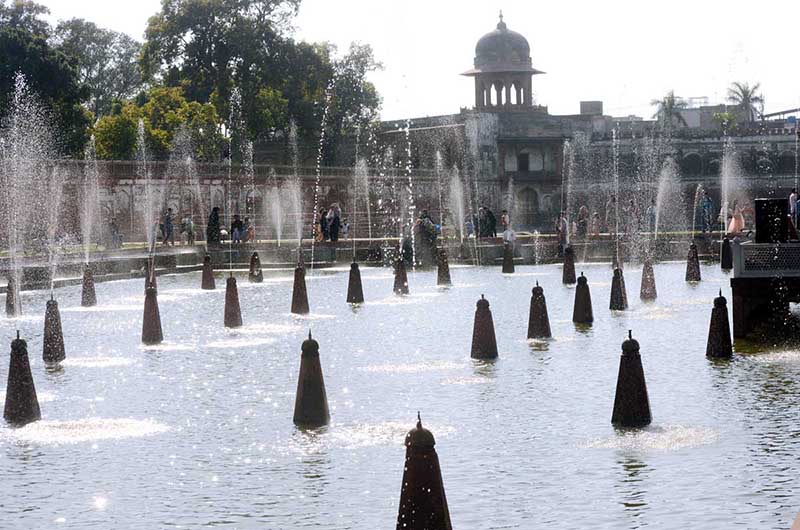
(624,53)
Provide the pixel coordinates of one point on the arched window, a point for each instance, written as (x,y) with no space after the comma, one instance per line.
(514,95)
(494,96)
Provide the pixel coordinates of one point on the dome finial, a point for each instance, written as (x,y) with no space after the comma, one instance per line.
(501,15)
(501,25)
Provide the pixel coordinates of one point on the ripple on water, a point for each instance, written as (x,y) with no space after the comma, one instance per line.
(468,380)
(786,356)
(97,362)
(86,430)
(411,368)
(354,436)
(242,342)
(168,346)
(103,308)
(666,438)
(270,328)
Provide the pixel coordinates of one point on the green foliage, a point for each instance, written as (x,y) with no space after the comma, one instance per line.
(726,120)
(107,61)
(668,110)
(115,134)
(749,103)
(24,15)
(163,111)
(354,100)
(48,72)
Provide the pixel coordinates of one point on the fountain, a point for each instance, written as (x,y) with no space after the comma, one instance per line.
(719,334)
(53,351)
(90,200)
(631,404)
(538,321)
(484,343)
(423,504)
(311,402)
(255,274)
(275,205)
(28,151)
(233,313)
(22,405)
(582,309)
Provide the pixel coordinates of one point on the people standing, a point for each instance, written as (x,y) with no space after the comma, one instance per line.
(491,223)
(237,229)
(334,222)
(793,206)
(167,229)
(213,233)
(249,231)
(596,225)
(187,227)
(504,222)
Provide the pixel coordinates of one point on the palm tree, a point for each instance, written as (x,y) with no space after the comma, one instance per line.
(668,110)
(745,98)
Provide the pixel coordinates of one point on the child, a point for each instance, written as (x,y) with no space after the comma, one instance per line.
(345,228)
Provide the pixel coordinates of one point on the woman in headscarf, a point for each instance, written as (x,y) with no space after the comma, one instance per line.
(213,235)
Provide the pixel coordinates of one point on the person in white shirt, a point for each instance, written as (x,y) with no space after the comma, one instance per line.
(793,206)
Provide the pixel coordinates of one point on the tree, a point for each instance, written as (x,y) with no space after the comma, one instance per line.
(107,61)
(354,101)
(164,111)
(51,75)
(668,110)
(749,103)
(210,46)
(24,15)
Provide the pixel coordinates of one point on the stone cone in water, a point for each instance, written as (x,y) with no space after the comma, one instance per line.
(400,277)
(692,264)
(88,296)
(208,282)
(299,293)
(508,259)
(443,269)
(256,275)
(53,342)
(12,294)
(484,342)
(355,291)
(311,401)
(22,406)
(538,321)
(423,504)
(618,300)
(631,404)
(648,288)
(151,324)
(233,313)
(726,254)
(568,269)
(719,332)
(582,310)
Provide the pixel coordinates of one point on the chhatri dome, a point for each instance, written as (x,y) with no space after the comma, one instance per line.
(502,69)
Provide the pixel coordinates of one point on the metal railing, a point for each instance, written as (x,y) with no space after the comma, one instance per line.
(765,260)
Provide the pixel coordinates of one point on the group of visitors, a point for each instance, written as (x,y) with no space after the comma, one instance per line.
(330,225)
(242,231)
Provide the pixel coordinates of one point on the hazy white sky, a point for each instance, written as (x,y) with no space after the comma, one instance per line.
(623,52)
